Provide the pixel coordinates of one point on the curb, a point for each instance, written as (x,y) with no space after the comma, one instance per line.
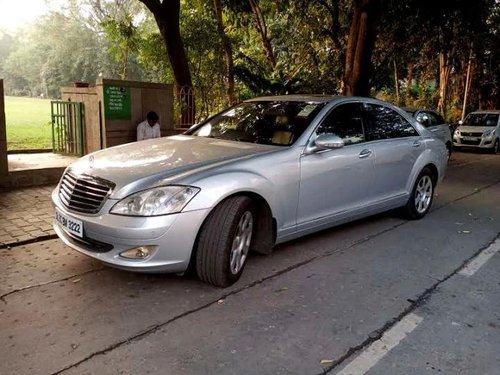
(28,241)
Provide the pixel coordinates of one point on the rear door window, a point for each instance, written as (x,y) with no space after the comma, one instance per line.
(385,123)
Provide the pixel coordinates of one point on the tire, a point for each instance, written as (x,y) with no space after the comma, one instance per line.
(449,148)
(225,240)
(496,147)
(421,196)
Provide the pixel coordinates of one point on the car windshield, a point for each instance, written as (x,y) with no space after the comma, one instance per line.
(481,119)
(265,122)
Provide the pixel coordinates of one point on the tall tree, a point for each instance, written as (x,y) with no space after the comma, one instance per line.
(261,24)
(362,36)
(228,51)
(166,14)
(167,17)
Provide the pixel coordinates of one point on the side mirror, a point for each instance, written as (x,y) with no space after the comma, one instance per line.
(460,122)
(328,142)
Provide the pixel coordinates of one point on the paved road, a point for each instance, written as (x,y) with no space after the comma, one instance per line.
(379,296)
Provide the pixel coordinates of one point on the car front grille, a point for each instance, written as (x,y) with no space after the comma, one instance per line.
(467,134)
(472,143)
(85,194)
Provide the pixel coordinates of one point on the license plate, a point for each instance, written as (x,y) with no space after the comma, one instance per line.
(70,224)
(469,138)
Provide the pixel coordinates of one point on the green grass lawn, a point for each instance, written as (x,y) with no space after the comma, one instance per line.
(28,123)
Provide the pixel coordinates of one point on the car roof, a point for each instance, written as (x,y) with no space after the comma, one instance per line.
(414,110)
(317,98)
(495,111)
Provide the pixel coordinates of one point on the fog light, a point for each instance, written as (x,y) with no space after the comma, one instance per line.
(140,252)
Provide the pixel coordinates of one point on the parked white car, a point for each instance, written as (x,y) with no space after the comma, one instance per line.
(479,130)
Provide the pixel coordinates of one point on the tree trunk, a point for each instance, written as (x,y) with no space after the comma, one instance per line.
(409,85)
(362,36)
(167,17)
(262,29)
(228,52)
(445,67)
(396,83)
(124,74)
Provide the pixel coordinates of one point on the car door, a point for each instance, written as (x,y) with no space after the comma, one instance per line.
(397,145)
(334,182)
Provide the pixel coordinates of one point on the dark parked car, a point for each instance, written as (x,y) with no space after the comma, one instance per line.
(435,123)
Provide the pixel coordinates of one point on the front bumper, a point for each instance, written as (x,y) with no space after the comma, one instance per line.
(106,236)
(474,142)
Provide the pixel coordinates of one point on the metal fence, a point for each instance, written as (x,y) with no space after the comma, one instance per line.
(185,107)
(68,127)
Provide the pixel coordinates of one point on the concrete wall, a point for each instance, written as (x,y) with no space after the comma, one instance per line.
(145,97)
(4,167)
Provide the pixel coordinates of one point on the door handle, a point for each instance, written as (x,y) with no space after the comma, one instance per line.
(417,143)
(365,153)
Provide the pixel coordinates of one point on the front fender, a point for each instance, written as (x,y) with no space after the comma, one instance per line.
(215,189)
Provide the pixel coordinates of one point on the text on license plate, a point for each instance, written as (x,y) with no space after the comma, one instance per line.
(469,138)
(73,226)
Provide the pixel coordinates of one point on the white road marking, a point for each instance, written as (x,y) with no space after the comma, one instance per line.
(479,260)
(378,349)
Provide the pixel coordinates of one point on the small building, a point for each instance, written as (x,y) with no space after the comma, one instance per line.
(112,109)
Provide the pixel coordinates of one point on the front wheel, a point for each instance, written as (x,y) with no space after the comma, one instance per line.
(224,241)
(449,148)
(421,196)
(496,147)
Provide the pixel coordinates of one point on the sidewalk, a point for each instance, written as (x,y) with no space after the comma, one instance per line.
(25,215)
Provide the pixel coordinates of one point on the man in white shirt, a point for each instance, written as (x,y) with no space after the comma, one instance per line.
(150,128)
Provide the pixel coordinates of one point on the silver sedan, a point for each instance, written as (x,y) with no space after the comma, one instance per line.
(263,172)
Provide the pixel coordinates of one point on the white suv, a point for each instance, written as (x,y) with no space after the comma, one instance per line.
(480,129)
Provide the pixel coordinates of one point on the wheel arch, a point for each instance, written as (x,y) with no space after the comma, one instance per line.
(435,172)
(266,228)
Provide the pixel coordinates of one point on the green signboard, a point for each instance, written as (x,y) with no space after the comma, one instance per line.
(117,103)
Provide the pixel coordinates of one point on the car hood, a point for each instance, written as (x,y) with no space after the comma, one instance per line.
(139,165)
(474,129)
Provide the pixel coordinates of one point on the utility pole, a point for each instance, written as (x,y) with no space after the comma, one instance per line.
(467,84)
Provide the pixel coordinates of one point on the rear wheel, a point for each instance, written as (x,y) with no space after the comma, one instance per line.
(225,240)
(421,196)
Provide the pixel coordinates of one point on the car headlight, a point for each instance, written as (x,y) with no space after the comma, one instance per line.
(157,201)
(488,133)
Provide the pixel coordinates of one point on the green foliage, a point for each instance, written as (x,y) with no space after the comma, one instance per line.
(308,38)
(55,52)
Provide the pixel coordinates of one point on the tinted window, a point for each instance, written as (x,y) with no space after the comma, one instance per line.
(429,118)
(275,123)
(481,119)
(346,122)
(425,119)
(385,123)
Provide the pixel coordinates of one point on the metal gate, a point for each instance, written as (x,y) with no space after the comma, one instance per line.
(67,127)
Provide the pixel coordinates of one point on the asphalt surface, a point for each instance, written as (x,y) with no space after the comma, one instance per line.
(378,296)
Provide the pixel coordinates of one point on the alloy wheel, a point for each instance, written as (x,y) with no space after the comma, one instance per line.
(241,243)
(423,194)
